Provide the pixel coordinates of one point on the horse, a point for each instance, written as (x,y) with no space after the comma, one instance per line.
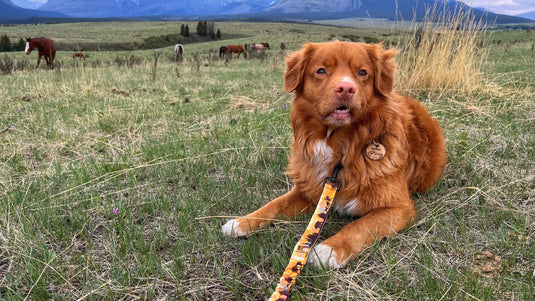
(179,50)
(266,45)
(236,49)
(222,51)
(283,46)
(249,46)
(259,47)
(78,54)
(45,47)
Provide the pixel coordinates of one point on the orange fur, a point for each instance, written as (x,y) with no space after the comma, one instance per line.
(344,101)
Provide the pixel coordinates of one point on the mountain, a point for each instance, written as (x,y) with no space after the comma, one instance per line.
(247,9)
(27,4)
(130,8)
(9,11)
(389,9)
(529,15)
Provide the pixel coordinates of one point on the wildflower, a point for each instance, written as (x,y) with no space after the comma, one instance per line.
(14,128)
(115,211)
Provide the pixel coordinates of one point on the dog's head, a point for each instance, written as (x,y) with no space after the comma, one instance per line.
(341,81)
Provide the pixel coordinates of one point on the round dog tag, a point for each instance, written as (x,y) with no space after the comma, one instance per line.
(375,151)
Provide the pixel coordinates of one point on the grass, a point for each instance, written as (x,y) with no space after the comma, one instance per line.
(178,155)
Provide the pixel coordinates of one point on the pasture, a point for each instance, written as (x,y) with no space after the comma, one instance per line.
(117,172)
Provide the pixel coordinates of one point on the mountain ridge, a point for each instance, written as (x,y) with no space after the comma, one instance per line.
(248,9)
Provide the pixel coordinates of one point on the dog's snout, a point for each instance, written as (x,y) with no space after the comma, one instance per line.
(345,90)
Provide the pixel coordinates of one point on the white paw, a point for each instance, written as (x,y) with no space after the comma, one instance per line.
(231,229)
(324,256)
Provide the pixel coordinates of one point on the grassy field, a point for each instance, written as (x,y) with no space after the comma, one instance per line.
(115,179)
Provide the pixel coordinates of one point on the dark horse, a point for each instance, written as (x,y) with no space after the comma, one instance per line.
(46,48)
(179,51)
(222,51)
(236,49)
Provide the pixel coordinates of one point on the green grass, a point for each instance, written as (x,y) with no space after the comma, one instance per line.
(178,155)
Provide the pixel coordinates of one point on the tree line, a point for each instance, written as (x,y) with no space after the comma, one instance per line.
(204,29)
(6,45)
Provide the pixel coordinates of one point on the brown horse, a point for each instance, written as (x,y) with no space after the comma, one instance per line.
(78,54)
(266,45)
(46,48)
(236,49)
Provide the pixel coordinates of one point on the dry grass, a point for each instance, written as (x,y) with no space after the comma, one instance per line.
(443,54)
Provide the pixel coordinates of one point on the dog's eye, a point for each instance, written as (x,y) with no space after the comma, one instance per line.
(321,71)
(362,73)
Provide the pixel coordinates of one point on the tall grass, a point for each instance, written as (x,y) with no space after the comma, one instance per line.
(443,53)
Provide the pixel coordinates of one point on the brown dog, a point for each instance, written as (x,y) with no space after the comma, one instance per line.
(345,111)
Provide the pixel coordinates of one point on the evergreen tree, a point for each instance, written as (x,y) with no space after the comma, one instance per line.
(210,30)
(199,28)
(5,43)
(205,29)
(182,30)
(218,34)
(186,31)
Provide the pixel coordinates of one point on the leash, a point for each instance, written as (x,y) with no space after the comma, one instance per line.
(300,253)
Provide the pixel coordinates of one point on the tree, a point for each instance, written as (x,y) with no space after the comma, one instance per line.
(218,34)
(5,43)
(186,31)
(182,30)
(20,46)
(210,30)
(200,29)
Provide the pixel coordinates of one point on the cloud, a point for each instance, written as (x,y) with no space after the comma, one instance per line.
(507,7)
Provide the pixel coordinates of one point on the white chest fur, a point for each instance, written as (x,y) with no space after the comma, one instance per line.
(322,157)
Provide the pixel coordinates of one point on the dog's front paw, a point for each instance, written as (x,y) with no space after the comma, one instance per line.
(232,229)
(324,256)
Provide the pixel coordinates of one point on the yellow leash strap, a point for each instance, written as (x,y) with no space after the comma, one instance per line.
(307,240)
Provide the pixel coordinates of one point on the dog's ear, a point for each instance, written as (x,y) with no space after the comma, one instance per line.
(384,68)
(295,69)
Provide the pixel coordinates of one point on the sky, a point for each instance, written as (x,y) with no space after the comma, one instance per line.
(507,7)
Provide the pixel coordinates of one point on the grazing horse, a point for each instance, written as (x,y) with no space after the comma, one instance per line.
(283,46)
(236,49)
(250,46)
(78,54)
(259,47)
(46,48)
(266,45)
(179,50)
(222,51)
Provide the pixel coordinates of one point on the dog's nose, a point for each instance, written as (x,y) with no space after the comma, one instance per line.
(345,90)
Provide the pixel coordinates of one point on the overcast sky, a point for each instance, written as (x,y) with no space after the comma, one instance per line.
(508,7)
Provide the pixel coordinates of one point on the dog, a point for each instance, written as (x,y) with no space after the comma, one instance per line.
(346,112)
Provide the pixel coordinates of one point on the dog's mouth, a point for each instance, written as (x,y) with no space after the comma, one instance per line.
(341,113)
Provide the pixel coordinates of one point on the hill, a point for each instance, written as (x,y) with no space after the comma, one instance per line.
(251,9)
(528,15)
(388,9)
(129,8)
(9,11)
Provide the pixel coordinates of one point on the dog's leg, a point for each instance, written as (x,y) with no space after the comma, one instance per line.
(337,250)
(291,204)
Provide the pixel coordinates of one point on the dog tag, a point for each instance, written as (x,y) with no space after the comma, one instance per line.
(375,151)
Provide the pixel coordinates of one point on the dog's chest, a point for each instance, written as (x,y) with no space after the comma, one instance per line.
(321,159)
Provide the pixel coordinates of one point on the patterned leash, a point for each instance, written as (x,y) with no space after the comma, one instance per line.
(299,256)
